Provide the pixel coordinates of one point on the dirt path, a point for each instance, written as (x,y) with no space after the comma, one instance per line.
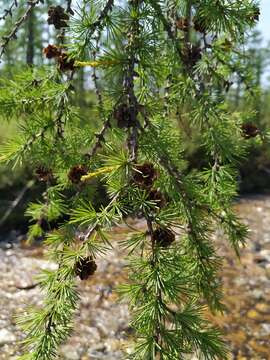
(102,331)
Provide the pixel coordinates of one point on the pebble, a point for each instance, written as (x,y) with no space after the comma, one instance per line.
(6,337)
(69,353)
(257,294)
(259,348)
(267,270)
(253,314)
(263,308)
(266,329)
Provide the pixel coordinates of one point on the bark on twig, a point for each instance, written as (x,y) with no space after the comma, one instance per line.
(13,33)
(16,202)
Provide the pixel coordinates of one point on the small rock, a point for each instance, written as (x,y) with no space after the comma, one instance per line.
(257,294)
(96,351)
(238,338)
(94,335)
(267,270)
(266,329)
(253,314)
(263,308)
(259,348)
(6,337)
(261,260)
(240,281)
(257,246)
(265,253)
(69,352)
(103,330)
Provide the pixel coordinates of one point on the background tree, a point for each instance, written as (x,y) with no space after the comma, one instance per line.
(155,65)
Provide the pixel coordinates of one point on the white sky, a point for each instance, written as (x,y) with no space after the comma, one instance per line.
(264,23)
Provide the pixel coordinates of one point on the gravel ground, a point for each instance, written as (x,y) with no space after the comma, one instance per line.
(102,331)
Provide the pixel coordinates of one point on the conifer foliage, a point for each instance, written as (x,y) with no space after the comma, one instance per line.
(155,65)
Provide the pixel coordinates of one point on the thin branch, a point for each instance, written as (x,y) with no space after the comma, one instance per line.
(132,35)
(16,202)
(98,24)
(167,26)
(95,78)
(57,122)
(8,11)
(103,14)
(84,236)
(100,136)
(69,8)
(13,33)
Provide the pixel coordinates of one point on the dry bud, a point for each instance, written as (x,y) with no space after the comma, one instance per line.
(144,175)
(163,237)
(65,63)
(43,174)
(51,51)
(57,17)
(76,172)
(249,130)
(158,197)
(125,116)
(85,267)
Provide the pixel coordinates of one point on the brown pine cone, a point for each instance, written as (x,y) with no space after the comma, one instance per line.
(43,174)
(163,237)
(249,130)
(144,175)
(158,197)
(65,63)
(125,116)
(51,51)
(76,172)
(57,17)
(85,267)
